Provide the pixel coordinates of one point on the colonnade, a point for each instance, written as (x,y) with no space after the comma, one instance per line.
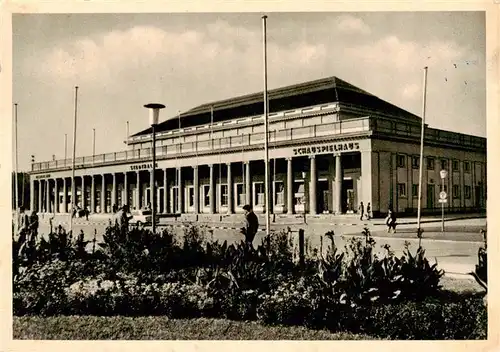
(46,193)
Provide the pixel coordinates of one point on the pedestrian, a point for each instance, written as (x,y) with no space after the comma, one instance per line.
(87,211)
(361,210)
(368,211)
(115,208)
(33,227)
(390,221)
(251,224)
(122,219)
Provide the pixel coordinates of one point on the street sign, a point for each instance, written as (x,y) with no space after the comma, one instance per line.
(443,200)
(442,195)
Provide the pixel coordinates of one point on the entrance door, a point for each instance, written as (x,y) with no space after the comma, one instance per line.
(348,205)
(160,199)
(323,197)
(478,197)
(430,197)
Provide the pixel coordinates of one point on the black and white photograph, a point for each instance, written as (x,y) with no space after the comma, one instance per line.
(262,175)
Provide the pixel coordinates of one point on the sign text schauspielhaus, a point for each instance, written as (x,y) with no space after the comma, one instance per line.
(326,148)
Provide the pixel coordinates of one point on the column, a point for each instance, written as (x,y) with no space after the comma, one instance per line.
(65,195)
(248,190)
(165,192)
(196,183)
(103,194)
(338,184)
(32,194)
(229,189)
(92,195)
(367,175)
(138,191)
(180,191)
(212,190)
(312,187)
(39,196)
(289,186)
(83,193)
(125,189)
(113,191)
(56,196)
(47,196)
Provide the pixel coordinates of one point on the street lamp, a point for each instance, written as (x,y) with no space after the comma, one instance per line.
(442,196)
(154,113)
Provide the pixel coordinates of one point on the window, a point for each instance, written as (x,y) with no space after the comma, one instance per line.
(444,164)
(259,193)
(206,195)
(402,189)
(415,162)
(279,193)
(467,192)
(414,190)
(223,192)
(240,195)
(456,191)
(430,163)
(401,161)
(455,165)
(466,166)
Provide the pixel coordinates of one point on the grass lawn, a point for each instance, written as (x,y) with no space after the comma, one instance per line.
(161,328)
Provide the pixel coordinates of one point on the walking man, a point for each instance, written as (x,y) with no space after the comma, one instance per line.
(251,224)
(361,210)
(368,211)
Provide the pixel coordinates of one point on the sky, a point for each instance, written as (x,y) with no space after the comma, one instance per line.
(122,61)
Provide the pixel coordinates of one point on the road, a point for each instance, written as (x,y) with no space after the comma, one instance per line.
(455,250)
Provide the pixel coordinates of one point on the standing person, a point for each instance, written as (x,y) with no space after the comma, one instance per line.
(122,219)
(33,226)
(390,221)
(361,210)
(251,224)
(368,211)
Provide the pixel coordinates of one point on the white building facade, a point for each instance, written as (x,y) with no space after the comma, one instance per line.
(331,146)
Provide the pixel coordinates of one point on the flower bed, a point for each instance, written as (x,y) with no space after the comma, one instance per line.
(140,273)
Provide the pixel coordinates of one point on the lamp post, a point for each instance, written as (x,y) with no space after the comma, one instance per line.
(442,196)
(154,113)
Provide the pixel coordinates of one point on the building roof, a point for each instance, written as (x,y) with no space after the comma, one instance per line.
(325,90)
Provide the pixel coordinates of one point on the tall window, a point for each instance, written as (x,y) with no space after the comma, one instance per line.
(259,193)
(415,162)
(279,194)
(223,198)
(402,189)
(455,165)
(467,192)
(430,163)
(444,164)
(401,160)
(414,190)
(240,194)
(456,191)
(466,166)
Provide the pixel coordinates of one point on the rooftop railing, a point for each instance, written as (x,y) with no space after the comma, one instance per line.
(351,126)
(207,146)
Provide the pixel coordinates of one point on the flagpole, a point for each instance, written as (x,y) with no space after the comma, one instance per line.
(266,149)
(73,185)
(421,153)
